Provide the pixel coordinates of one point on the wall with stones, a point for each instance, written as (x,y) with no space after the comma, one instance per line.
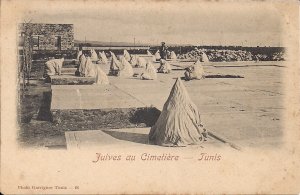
(48,32)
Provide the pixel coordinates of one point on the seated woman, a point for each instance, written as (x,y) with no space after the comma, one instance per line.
(126,70)
(53,67)
(179,123)
(113,55)
(86,67)
(194,72)
(94,56)
(164,67)
(141,62)
(101,77)
(157,55)
(204,57)
(133,61)
(173,56)
(81,66)
(115,66)
(102,58)
(89,68)
(126,55)
(79,54)
(149,72)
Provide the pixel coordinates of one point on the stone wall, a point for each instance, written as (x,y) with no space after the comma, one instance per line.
(48,32)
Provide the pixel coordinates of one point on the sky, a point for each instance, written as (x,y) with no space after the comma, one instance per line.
(183,22)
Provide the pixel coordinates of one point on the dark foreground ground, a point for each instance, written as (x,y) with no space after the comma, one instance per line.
(39,127)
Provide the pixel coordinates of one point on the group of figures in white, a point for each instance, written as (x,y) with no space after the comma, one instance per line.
(179,123)
(122,66)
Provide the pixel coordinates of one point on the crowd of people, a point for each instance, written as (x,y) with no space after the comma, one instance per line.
(179,123)
(216,55)
(89,65)
(178,111)
(121,65)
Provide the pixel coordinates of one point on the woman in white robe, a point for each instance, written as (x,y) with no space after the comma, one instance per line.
(165,67)
(94,56)
(115,66)
(157,55)
(173,56)
(90,68)
(103,57)
(79,54)
(149,72)
(101,77)
(133,61)
(194,72)
(81,68)
(127,70)
(53,67)
(126,55)
(141,62)
(204,57)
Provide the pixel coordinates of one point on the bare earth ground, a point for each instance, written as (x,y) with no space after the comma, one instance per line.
(246,111)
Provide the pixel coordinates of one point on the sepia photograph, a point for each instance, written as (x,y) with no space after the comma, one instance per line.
(151,83)
(163,81)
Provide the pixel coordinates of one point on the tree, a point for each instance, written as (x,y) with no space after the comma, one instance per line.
(27,32)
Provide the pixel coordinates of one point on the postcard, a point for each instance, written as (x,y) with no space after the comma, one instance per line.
(150,97)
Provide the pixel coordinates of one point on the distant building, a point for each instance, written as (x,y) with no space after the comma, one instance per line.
(50,36)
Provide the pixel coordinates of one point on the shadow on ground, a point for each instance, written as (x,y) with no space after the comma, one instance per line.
(147,115)
(223,76)
(127,136)
(44,113)
(218,76)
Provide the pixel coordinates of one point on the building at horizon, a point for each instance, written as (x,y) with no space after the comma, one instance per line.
(49,36)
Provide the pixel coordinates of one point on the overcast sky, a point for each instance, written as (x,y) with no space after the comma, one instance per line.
(182,23)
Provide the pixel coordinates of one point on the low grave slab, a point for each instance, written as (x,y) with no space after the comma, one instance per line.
(69,71)
(67,79)
(91,97)
(94,106)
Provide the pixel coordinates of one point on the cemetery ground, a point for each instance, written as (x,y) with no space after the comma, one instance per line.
(240,102)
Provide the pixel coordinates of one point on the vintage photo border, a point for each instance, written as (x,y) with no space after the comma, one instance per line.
(252,171)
